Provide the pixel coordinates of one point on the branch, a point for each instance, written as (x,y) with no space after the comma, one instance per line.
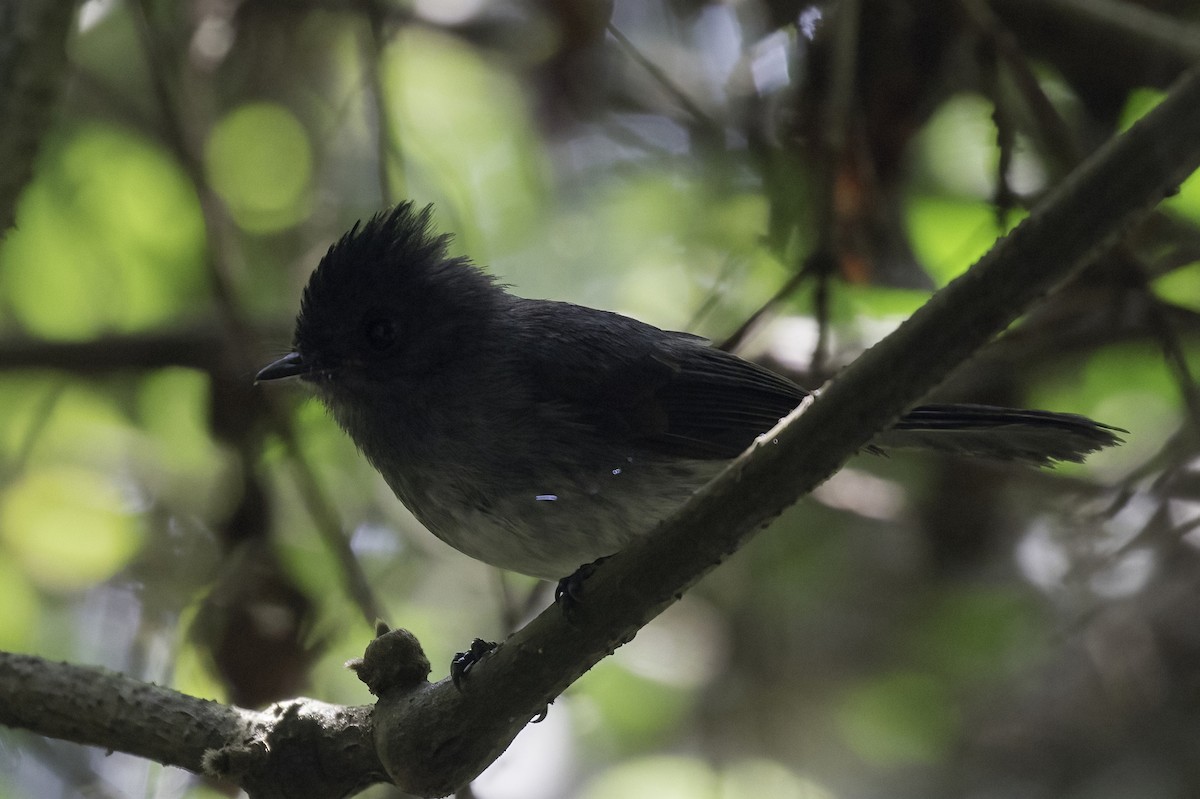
(432,738)
(200,347)
(1155,34)
(298,749)
(1145,45)
(437,739)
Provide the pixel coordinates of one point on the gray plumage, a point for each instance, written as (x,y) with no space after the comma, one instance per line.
(538,435)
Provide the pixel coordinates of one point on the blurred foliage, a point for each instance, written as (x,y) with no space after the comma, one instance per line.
(919,627)
(115,231)
(259,161)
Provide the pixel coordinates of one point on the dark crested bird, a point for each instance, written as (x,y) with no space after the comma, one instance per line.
(538,436)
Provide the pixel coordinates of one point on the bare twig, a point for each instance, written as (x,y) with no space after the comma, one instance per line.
(821,262)
(222,256)
(689,105)
(387,147)
(1137,24)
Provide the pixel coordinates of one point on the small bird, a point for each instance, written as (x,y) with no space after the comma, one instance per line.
(537,435)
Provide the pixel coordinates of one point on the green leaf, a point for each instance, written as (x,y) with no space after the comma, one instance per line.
(1180,287)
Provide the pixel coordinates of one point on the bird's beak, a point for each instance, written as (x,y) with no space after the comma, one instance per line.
(290,365)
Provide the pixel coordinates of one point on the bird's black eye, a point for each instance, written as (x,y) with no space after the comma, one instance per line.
(381,334)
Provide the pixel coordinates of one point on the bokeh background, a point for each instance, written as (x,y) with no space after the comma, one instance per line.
(788,178)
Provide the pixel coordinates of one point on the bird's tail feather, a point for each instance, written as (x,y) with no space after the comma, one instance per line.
(1039,437)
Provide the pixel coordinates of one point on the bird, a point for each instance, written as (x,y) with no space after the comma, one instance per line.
(536,435)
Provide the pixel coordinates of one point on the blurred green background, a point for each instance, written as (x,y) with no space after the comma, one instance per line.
(919,627)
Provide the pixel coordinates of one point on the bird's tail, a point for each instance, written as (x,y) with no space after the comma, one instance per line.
(1039,437)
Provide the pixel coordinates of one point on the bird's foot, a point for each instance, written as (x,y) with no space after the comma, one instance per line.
(463,662)
(568,594)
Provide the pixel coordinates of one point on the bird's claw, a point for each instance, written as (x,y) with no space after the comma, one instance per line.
(568,594)
(463,662)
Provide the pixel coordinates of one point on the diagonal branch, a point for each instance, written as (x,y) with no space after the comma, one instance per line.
(432,738)
(1085,215)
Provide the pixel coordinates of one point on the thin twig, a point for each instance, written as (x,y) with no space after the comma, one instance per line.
(387,146)
(738,337)
(1154,31)
(41,418)
(1057,137)
(819,263)
(680,96)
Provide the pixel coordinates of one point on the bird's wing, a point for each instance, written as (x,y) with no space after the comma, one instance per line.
(669,392)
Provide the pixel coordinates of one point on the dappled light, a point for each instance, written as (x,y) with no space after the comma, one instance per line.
(791,181)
